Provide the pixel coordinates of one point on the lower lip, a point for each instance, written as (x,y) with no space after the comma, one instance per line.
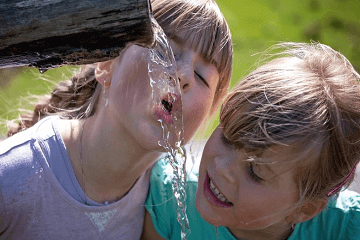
(163,115)
(211,197)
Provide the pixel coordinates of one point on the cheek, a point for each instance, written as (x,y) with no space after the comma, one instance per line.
(130,81)
(193,117)
(196,109)
(262,209)
(135,71)
(133,64)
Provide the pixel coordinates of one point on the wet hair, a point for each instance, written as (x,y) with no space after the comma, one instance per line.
(206,26)
(207,33)
(307,98)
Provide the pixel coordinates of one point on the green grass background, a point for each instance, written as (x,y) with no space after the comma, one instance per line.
(255,25)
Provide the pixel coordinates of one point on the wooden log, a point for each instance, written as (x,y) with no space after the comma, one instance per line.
(51,33)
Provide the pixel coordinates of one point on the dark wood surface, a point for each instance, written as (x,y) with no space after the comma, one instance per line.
(51,33)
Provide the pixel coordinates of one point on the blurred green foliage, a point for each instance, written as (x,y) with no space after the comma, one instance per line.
(255,26)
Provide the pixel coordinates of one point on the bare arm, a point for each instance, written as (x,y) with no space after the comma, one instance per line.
(149,231)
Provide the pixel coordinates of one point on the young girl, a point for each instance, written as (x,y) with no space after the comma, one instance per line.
(287,145)
(82,174)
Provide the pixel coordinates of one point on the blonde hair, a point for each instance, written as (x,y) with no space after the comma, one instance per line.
(204,24)
(207,32)
(308,98)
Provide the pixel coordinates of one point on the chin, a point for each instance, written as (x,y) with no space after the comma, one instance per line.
(202,207)
(207,214)
(151,143)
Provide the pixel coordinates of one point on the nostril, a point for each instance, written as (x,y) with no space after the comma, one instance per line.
(185,86)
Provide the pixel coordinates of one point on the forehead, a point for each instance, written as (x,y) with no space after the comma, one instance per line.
(196,42)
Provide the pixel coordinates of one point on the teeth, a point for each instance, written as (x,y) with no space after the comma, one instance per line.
(218,194)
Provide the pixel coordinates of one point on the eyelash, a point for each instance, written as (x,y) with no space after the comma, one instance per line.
(176,55)
(252,174)
(202,79)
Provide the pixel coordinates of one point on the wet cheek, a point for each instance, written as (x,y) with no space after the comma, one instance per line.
(197,107)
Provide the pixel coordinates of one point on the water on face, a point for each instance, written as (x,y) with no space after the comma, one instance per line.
(166,96)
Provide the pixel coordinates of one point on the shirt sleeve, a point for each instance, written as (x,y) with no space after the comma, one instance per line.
(353,228)
(340,220)
(161,203)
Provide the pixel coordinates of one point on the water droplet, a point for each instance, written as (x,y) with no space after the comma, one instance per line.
(33,166)
(36,171)
(39,176)
(41,169)
(42,70)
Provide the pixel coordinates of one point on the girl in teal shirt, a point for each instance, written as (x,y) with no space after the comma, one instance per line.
(277,165)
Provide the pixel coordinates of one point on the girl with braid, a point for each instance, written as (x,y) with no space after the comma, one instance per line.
(78,167)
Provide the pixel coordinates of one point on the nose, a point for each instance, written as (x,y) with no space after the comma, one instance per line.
(226,168)
(185,71)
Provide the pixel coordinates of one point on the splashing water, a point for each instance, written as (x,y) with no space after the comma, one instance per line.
(166,96)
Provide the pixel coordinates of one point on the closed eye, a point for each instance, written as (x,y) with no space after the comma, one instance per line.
(252,174)
(202,79)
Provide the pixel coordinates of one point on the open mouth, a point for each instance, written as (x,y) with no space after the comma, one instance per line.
(170,103)
(217,193)
(167,105)
(214,195)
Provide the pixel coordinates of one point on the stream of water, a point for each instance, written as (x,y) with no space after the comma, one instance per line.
(166,96)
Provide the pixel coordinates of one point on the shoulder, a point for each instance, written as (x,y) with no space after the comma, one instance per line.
(347,205)
(15,152)
(43,129)
(22,146)
(162,172)
(15,142)
(159,203)
(347,201)
(160,195)
(20,157)
(339,220)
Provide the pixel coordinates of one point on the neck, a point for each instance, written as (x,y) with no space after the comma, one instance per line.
(269,233)
(109,164)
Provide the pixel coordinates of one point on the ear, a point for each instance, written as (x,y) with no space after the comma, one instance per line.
(103,72)
(307,211)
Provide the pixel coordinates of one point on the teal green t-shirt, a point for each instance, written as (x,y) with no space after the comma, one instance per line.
(340,220)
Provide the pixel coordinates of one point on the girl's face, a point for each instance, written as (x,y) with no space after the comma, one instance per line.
(130,93)
(242,195)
